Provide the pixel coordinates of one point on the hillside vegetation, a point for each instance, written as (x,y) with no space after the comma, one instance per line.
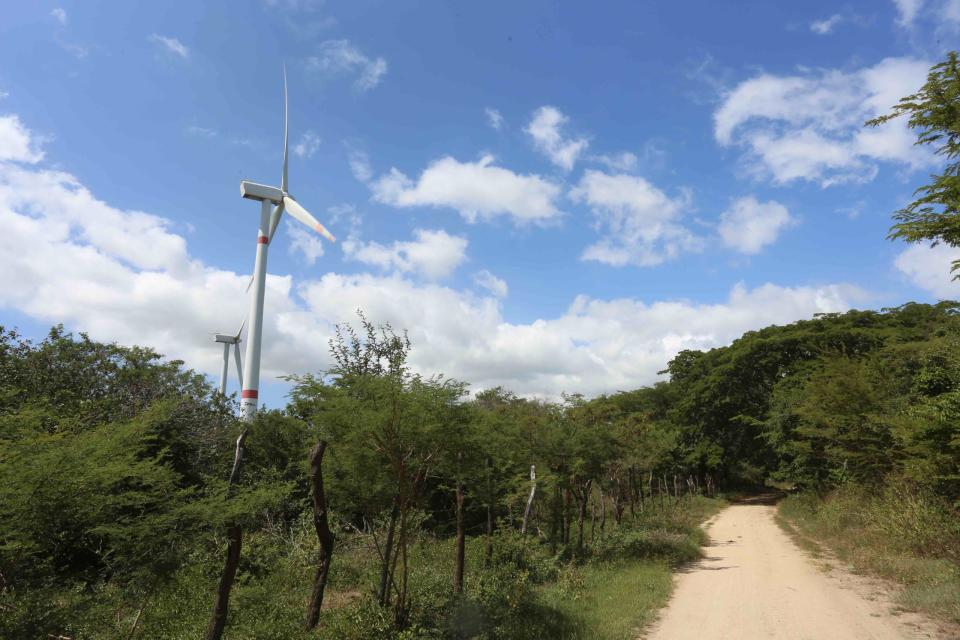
(384,503)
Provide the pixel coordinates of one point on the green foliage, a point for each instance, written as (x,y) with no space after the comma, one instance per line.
(114,499)
(934,113)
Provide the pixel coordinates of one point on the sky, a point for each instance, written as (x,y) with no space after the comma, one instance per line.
(548,196)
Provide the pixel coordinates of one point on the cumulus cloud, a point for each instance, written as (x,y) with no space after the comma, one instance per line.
(639,223)
(59,15)
(494,119)
(623,161)
(928,268)
(340,56)
(170,45)
(18,143)
(434,254)
(125,276)
(545,128)
(477,190)
(749,225)
(304,243)
(907,11)
(491,283)
(809,126)
(825,26)
(307,145)
(595,346)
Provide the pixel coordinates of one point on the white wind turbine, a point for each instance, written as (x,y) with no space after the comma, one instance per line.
(228,340)
(273,202)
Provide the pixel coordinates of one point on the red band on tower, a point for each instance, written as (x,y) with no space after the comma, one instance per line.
(262,240)
(249,393)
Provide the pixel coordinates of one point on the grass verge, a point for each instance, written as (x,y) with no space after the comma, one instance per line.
(609,601)
(904,536)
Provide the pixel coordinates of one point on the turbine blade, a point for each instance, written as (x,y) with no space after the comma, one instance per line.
(274,221)
(301,214)
(236,355)
(249,284)
(240,330)
(286,139)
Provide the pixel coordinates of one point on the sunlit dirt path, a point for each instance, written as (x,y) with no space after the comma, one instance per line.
(755,583)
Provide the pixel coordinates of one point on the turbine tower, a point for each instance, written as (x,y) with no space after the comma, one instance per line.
(273,202)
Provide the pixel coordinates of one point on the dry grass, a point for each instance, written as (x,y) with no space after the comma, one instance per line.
(904,536)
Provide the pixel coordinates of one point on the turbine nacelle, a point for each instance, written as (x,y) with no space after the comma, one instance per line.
(256,191)
(225,339)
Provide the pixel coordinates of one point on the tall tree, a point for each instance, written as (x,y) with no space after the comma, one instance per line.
(934,114)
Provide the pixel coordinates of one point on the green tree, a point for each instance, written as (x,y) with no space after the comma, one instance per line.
(934,114)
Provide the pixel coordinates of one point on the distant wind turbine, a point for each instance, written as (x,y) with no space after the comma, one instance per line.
(227,341)
(273,203)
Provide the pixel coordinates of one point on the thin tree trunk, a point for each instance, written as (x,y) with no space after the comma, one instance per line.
(383,595)
(400,612)
(630,491)
(640,491)
(143,605)
(321,523)
(533,493)
(490,520)
(567,503)
(460,543)
(556,522)
(653,502)
(618,501)
(582,495)
(221,605)
(603,510)
(593,517)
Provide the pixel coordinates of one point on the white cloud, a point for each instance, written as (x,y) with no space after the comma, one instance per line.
(307,145)
(494,119)
(623,161)
(749,225)
(59,15)
(825,26)
(810,126)
(639,223)
(78,51)
(493,284)
(340,56)
(545,127)
(359,165)
(434,254)
(171,45)
(907,11)
(595,346)
(950,11)
(477,190)
(306,243)
(203,132)
(17,143)
(124,276)
(928,268)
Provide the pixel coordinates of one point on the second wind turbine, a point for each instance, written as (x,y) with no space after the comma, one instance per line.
(273,202)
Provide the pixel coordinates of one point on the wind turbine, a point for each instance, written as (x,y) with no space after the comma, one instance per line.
(228,340)
(273,202)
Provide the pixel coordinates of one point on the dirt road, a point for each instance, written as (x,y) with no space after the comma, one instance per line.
(756,584)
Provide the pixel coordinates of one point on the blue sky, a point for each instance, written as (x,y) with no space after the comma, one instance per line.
(550,196)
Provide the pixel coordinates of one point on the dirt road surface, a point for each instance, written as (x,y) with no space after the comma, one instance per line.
(756,584)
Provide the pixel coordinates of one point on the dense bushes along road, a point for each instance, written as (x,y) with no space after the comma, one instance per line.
(115,508)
